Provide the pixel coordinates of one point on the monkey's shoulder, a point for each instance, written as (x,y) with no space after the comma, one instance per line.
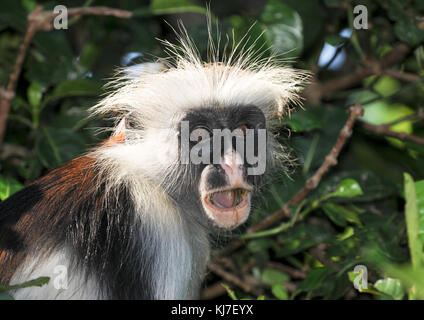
(62,186)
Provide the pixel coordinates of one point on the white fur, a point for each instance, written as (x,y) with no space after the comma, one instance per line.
(178,268)
(35,267)
(155,102)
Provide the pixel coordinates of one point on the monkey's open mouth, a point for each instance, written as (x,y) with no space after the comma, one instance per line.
(227,199)
(227,208)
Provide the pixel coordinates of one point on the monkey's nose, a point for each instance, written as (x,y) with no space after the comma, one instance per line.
(232,163)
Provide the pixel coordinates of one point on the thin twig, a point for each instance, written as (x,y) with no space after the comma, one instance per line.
(105,11)
(293,273)
(318,252)
(371,67)
(416,116)
(215,268)
(403,76)
(7,94)
(397,54)
(330,161)
(384,130)
(289,286)
(213,291)
(39,20)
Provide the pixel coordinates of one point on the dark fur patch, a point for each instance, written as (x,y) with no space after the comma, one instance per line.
(67,208)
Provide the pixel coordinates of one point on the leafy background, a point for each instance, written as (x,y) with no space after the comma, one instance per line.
(368,210)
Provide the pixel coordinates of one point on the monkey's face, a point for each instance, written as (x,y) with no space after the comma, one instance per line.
(225,151)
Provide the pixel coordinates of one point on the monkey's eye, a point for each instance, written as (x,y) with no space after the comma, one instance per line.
(240,130)
(199,133)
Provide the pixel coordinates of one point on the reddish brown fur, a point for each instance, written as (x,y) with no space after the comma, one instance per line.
(75,178)
(120,137)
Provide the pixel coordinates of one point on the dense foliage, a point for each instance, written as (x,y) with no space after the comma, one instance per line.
(367,210)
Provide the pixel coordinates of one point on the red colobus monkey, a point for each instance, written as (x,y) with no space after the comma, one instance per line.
(131,219)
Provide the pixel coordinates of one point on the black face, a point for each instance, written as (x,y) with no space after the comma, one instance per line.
(223,188)
(230,118)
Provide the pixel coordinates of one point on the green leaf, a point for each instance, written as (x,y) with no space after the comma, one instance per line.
(256,40)
(284,28)
(347,188)
(29,4)
(395,9)
(409,276)
(335,39)
(55,146)
(34,93)
(386,86)
(301,237)
(419,189)
(408,32)
(334,215)
(314,16)
(339,214)
(77,87)
(273,276)
(259,245)
(89,55)
(279,291)
(13,14)
(51,60)
(391,287)
(8,186)
(412,221)
(373,185)
(315,278)
(39,282)
(381,112)
(229,291)
(347,233)
(303,121)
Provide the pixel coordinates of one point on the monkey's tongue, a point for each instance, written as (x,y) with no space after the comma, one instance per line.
(223,199)
(228,199)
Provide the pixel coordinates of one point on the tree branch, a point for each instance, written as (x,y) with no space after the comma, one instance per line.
(330,161)
(316,90)
(410,77)
(384,130)
(215,268)
(397,54)
(39,20)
